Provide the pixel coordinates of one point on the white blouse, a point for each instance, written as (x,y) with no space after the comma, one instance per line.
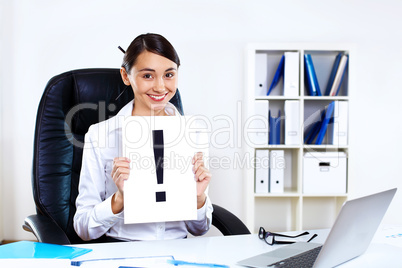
(94,216)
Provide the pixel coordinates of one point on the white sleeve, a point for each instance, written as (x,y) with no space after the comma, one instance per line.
(204,219)
(94,216)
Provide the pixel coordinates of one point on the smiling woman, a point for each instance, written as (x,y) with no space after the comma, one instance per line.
(150,67)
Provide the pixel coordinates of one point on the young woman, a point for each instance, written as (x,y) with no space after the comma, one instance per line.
(150,66)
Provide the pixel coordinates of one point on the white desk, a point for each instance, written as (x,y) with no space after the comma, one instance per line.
(230,249)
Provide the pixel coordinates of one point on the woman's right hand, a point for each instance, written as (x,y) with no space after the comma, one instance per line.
(120,173)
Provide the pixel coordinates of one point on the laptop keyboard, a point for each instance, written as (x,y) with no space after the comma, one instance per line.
(304,260)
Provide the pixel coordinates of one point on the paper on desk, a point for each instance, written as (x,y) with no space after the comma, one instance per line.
(150,261)
(35,263)
(390,234)
(181,139)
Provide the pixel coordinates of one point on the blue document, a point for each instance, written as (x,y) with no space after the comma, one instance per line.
(341,72)
(275,128)
(312,132)
(311,77)
(28,249)
(278,74)
(333,73)
(325,122)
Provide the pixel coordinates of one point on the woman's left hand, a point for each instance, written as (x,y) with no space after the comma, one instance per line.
(202,177)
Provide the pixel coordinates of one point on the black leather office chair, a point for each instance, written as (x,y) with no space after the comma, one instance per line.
(71,102)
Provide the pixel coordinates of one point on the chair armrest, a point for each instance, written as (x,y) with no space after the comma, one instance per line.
(227,223)
(45,230)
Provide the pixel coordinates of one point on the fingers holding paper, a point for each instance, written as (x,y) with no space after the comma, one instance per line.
(120,173)
(202,177)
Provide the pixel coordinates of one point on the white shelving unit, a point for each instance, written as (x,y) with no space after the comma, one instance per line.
(292,209)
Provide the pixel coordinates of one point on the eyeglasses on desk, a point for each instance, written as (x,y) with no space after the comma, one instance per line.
(269,237)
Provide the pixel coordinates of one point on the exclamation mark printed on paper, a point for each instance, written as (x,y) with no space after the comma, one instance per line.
(157,136)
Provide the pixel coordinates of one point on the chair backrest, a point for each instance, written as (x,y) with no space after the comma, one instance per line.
(71,102)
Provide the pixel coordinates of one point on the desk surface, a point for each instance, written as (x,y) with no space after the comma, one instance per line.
(231,249)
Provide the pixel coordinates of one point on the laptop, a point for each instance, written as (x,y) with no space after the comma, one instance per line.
(350,236)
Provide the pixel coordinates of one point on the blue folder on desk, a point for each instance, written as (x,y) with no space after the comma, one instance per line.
(28,249)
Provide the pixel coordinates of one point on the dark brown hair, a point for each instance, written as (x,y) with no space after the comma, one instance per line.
(154,43)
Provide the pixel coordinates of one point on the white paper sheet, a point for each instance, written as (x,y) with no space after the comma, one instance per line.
(182,139)
(35,263)
(152,261)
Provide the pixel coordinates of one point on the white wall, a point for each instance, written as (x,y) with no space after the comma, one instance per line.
(2,33)
(48,37)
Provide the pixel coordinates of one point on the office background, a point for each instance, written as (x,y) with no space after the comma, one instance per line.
(40,39)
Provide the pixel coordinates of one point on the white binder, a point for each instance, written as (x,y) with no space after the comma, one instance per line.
(261,171)
(341,123)
(257,126)
(291,75)
(261,74)
(276,171)
(292,122)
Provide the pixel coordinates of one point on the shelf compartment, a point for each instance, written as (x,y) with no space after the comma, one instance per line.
(290,164)
(273,57)
(313,111)
(323,62)
(276,214)
(321,211)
